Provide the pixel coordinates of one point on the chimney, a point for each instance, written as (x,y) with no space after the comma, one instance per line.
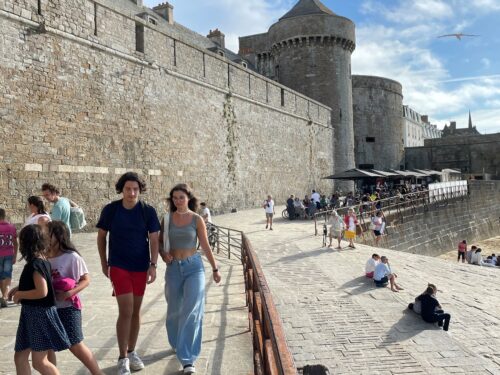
(217,37)
(470,120)
(453,125)
(166,11)
(425,119)
(137,2)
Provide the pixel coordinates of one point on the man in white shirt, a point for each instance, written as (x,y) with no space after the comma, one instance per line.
(371,264)
(205,213)
(316,198)
(269,208)
(383,274)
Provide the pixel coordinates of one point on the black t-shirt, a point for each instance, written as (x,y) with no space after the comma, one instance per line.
(429,305)
(26,282)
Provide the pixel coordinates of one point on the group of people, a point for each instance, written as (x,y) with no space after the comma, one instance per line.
(306,208)
(130,240)
(378,268)
(473,255)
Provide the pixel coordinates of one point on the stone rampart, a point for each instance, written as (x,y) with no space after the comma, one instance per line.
(443,225)
(80,105)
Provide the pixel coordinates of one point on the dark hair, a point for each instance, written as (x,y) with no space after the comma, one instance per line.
(130,176)
(203,204)
(38,203)
(60,232)
(193,201)
(50,188)
(464,241)
(431,289)
(2,214)
(32,242)
(375,255)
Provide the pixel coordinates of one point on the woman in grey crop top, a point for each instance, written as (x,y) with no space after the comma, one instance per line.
(185,275)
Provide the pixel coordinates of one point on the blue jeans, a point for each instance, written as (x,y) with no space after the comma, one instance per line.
(185,294)
(6,267)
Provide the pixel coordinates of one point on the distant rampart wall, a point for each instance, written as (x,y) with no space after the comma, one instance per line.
(79,106)
(443,225)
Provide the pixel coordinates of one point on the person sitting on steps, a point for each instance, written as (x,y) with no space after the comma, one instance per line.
(383,274)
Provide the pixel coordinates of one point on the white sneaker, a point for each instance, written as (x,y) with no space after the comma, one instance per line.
(123,366)
(189,369)
(136,363)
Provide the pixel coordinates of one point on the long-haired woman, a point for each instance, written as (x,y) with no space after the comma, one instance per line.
(181,228)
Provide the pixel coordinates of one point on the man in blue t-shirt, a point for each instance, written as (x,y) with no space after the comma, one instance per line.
(130,263)
(62,206)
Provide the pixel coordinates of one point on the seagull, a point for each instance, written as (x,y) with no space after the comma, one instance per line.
(457,35)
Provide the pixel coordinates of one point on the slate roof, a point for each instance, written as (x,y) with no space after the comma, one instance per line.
(306,8)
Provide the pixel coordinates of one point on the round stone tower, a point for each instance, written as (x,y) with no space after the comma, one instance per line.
(311,51)
(378,122)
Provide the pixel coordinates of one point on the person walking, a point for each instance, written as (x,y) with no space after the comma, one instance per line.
(181,228)
(130,262)
(337,227)
(462,249)
(351,222)
(62,206)
(69,277)
(38,214)
(269,208)
(8,255)
(40,328)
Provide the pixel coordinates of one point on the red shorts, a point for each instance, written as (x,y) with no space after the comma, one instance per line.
(125,282)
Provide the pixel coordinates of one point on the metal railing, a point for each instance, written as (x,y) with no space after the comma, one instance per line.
(225,240)
(397,208)
(271,353)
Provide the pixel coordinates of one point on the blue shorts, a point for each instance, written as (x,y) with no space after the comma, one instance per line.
(6,267)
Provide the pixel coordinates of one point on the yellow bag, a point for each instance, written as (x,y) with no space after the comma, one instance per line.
(349,234)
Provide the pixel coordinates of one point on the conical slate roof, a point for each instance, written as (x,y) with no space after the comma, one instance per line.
(306,8)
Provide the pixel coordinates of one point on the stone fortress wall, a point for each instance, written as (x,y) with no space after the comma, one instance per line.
(378,122)
(81,104)
(309,50)
(439,229)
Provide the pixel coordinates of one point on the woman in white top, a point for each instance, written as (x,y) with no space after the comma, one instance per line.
(269,208)
(38,214)
(336,228)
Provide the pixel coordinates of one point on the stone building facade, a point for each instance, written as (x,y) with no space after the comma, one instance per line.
(309,50)
(378,124)
(93,88)
(475,155)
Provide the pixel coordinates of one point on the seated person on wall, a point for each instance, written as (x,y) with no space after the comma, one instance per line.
(299,208)
(432,311)
(311,208)
(468,254)
(477,257)
(383,274)
(371,264)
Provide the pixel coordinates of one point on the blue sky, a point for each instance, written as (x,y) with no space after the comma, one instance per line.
(397,39)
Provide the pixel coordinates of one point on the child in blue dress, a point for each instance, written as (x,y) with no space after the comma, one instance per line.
(40,328)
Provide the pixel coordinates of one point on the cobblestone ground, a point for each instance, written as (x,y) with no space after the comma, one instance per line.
(226,348)
(334,316)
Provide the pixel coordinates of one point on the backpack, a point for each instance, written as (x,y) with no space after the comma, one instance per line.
(77,218)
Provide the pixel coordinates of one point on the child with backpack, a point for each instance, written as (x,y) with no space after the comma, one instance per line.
(40,328)
(69,277)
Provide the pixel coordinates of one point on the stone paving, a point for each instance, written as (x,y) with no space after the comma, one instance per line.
(334,316)
(226,348)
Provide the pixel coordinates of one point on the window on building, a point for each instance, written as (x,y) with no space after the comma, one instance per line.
(139,37)
(39,5)
(370,139)
(282,97)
